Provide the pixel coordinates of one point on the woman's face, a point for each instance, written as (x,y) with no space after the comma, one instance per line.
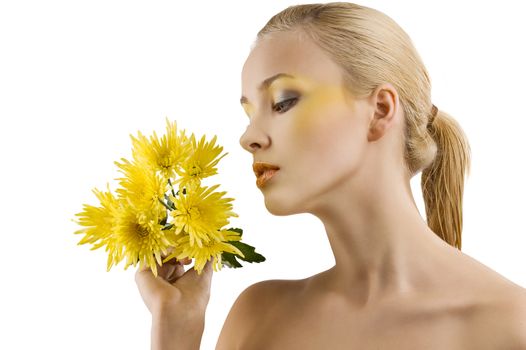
(317,138)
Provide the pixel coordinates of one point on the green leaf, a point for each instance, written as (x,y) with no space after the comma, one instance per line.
(163,221)
(248,250)
(229,260)
(167,227)
(238,230)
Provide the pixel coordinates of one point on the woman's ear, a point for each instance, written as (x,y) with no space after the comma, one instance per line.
(384,102)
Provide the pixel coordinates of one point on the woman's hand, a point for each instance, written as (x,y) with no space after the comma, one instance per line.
(175,293)
(177,301)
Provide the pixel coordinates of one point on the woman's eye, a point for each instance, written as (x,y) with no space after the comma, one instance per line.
(286,103)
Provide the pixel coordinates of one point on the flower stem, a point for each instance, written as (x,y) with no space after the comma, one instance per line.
(163,203)
(170,182)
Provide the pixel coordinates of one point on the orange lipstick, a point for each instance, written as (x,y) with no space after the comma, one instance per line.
(264,172)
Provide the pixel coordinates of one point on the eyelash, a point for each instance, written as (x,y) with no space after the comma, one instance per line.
(286,102)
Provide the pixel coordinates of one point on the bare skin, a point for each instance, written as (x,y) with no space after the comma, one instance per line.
(395,284)
(477,312)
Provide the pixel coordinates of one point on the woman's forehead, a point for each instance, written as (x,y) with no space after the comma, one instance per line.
(284,52)
(287,64)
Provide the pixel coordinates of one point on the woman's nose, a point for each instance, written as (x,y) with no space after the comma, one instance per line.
(253,139)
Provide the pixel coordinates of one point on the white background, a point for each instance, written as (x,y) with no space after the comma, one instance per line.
(77,78)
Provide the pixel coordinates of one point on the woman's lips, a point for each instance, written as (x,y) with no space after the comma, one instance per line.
(265,176)
(264,172)
(260,167)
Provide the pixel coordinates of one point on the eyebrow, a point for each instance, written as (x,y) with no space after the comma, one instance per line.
(265,83)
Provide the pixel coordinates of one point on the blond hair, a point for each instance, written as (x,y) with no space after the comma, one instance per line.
(372,48)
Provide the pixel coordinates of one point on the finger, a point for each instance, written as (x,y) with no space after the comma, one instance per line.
(186,261)
(176,274)
(191,276)
(167,269)
(163,271)
(205,279)
(208,272)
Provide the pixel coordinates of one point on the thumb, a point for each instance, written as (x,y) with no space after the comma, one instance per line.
(203,280)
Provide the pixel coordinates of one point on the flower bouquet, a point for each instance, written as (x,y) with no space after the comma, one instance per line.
(161,208)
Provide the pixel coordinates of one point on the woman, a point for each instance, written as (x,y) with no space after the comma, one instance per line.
(339,100)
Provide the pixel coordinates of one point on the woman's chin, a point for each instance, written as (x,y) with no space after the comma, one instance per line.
(281,207)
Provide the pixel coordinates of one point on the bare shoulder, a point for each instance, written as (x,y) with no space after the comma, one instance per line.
(263,296)
(252,307)
(517,319)
(512,315)
(500,322)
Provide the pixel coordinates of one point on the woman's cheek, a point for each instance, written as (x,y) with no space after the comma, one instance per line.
(317,114)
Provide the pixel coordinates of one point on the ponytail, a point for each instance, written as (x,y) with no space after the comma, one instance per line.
(443,181)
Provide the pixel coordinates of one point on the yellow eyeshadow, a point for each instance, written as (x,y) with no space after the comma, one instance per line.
(310,110)
(248,109)
(313,95)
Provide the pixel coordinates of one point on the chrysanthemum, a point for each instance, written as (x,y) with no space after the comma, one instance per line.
(164,154)
(99,224)
(201,213)
(143,189)
(200,163)
(212,248)
(141,241)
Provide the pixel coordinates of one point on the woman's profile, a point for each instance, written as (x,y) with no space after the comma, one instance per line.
(341,118)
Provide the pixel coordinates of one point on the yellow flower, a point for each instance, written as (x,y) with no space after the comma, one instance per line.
(200,163)
(130,224)
(201,213)
(164,154)
(99,223)
(212,248)
(142,188)
(141,241)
